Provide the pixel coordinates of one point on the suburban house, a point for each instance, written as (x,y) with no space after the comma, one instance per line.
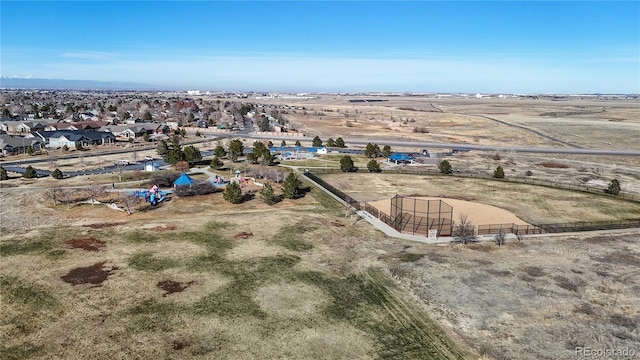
(10,145)
(79,125)
(138,130)
(25,127)
(60,126)
(58,139)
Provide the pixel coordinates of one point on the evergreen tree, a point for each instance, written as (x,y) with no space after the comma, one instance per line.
(372,150)
(162,148)
(3,174)
(192,154)
(445,167)
(346,164)
(373,166)
(498,173)
(57,174)
(267,194)
(614,187)
(219,151)
(386,150)
(264,124)
(331,142)
(317,142)
(232,193)
(29,173)
(236,148)
(283,143)
(340,143)
(291,186)
(298,143)
(216,163)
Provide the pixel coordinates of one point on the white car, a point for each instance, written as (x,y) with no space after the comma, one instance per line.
(148,158)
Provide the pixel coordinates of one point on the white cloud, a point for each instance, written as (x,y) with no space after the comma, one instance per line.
(87,55)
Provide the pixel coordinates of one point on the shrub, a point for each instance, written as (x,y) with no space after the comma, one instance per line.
(420,130)
(529,173)
(181,166)
(163,180)
(232,193)
(57,174)
(498,173)
(3,174)
(198,188)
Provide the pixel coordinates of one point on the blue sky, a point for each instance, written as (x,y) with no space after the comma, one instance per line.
(304,46)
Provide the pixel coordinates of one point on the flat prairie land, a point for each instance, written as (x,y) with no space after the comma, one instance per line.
(588,123)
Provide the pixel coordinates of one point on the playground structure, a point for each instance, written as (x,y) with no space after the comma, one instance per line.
(153,196)
(419,216)
(239,179)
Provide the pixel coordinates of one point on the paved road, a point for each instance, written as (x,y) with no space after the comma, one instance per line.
(464,146)
(18,166)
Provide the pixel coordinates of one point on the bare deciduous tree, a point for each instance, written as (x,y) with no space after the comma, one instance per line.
(128,201)
(94,191)
(54,194)
(65,196)
(500,237)
(464,231)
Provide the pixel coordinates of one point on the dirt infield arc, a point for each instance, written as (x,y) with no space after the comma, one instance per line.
(477,213)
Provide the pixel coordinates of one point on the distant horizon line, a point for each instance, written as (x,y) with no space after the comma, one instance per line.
(116,85)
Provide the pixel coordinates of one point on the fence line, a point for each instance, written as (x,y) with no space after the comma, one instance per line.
(512,179)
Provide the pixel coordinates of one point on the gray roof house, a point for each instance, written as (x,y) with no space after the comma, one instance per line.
(10,145)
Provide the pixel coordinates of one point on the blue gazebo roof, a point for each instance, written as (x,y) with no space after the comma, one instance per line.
(400,157)
(183,180)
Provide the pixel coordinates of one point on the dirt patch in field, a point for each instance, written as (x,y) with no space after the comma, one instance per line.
(337,224)
(95,274)
(170,286)
(102,225)
(162,228)
(179,345)
(243,235)
(88,244)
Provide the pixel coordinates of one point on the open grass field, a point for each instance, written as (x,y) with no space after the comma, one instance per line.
(200,278)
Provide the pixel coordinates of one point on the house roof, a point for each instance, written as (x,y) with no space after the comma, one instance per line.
(75,135)
(16,142)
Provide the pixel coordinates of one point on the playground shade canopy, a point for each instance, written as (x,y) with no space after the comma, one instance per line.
(400,157)
(183,180)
